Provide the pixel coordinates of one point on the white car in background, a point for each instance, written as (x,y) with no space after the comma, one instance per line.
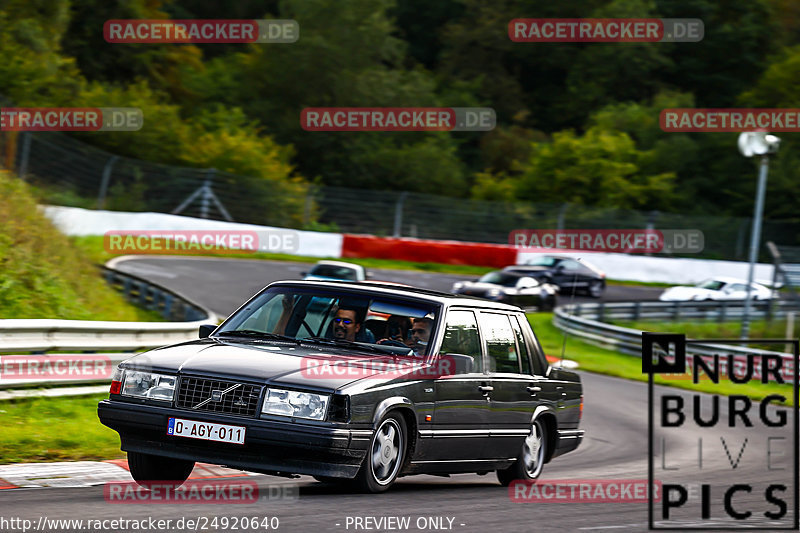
(720,288)
(332,270)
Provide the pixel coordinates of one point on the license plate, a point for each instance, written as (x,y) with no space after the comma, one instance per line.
(195,429)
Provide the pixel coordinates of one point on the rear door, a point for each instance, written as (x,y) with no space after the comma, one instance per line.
(516,390)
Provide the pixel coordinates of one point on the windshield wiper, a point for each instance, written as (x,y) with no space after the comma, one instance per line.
(258,335)
(344,343)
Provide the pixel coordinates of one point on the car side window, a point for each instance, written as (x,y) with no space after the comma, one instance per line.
(571,265)
(538,357)
(500,342)
(524,356)
(461,337)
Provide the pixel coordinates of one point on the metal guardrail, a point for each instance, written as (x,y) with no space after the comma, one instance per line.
(90,342)
(629,341)
(719,311)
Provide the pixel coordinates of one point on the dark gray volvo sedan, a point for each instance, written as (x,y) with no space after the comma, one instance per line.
(350,383)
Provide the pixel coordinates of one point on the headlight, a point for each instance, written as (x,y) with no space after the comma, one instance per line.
(494,293)
(149,385)
(457,286)
(297,404)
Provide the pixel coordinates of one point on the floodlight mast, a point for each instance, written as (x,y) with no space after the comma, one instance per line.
(760,144)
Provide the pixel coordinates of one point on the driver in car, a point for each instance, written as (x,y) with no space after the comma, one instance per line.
(420,335)
(346,324)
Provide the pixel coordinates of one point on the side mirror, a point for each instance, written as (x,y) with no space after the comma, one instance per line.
(367,275)
(303,274)
(206,329)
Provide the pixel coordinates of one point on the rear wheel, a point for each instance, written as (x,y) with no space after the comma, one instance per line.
(530,462)
(150,470)
(385,455)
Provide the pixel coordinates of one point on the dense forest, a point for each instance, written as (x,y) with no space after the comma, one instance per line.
(577,122)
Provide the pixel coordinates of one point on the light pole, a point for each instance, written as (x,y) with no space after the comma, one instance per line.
(761,144)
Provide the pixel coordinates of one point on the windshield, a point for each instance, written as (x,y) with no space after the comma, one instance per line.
(337,317)
(334,271)
(712,285)
(543,261)
(500,278)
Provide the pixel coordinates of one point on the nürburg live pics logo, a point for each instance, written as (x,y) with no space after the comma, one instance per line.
(725,451)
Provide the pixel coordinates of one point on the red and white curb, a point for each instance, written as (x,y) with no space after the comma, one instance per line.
(90,473)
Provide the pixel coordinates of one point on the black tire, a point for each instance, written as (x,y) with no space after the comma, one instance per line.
(385,456)
(149,469)
(595,289)
(530,462)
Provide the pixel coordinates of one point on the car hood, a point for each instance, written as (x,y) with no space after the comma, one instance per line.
(686,293)
(476,287)
(312,367)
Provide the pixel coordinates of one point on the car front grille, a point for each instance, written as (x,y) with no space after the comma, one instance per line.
(217,396)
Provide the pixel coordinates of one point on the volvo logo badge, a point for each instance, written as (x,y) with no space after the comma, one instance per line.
(216,395)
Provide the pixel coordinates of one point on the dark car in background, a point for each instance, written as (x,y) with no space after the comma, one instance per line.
(570,275)
(271,390)
(512,288)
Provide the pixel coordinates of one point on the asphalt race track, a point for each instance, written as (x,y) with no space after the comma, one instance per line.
(615,448)
(223,285)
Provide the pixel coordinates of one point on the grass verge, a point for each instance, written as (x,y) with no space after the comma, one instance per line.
(42,275)
(599,360)
(55,429)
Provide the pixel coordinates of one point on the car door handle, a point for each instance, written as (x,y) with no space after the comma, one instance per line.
(533,390)
(486,389)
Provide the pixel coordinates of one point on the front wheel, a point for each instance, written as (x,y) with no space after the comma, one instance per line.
(595,289)
(148,470)
(530,462)
(385,455)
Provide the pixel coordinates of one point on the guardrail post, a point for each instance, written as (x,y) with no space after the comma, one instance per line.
(25,156)
(722,311)
(398,214)
(601,311)
(143,294)
(167,305)
(101,196)
(637,309)
(676,312)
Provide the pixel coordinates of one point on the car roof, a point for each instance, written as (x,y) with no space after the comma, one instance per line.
(510,271)
(443,298)
(726,279)
(339,263)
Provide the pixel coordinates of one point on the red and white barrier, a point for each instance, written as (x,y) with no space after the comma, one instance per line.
(629,267)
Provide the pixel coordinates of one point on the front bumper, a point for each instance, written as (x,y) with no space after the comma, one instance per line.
(271,447)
